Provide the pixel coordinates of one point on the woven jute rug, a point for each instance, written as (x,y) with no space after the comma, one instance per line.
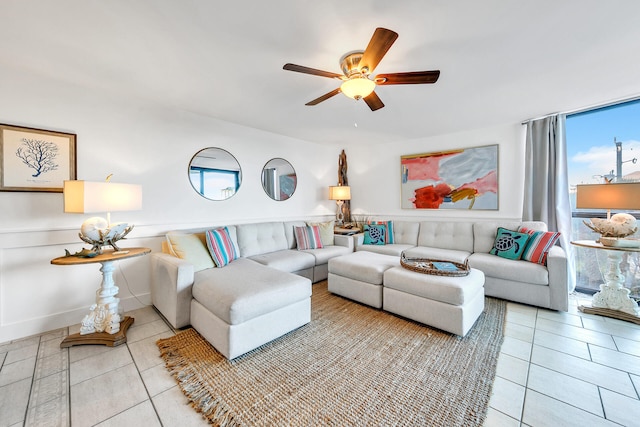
(351,366)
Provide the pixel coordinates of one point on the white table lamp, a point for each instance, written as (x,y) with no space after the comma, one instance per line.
(103,197)
(610,196)
(623,195)
(340,193)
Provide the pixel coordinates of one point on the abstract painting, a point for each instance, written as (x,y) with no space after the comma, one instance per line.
(456,179)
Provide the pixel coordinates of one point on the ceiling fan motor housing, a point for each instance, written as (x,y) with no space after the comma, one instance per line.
(350,62)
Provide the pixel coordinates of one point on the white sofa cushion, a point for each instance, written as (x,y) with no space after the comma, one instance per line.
(246,289)
(323,255)
(391,249)
(437,254)
(406,232)
(289,260)
(446,235)
(509,269)
(254,239)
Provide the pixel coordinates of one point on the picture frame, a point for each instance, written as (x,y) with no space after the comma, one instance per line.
(465,178)
(36,160)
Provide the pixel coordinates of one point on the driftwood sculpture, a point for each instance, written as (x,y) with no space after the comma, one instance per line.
(343,180)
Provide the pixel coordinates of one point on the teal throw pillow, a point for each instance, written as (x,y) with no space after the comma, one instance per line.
(388,230)
(374,234)
(509,244)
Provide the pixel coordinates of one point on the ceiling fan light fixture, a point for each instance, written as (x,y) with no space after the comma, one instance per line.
(357,87)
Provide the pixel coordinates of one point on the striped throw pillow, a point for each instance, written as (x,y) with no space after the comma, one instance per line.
(221,246)
(308,237)
(538,244)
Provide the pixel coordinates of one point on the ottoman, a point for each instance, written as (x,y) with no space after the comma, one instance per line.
(245,304)
(452,304)
(358,276)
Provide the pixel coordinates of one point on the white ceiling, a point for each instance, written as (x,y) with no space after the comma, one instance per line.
(501,61)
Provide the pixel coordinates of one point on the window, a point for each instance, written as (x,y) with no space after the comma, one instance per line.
(602,144)
(215,184)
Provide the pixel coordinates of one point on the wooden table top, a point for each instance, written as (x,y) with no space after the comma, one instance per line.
(105,256)
(597,245)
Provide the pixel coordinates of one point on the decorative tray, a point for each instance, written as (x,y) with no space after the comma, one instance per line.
(434,266)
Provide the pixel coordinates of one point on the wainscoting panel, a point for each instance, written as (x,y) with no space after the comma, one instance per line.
(36,296)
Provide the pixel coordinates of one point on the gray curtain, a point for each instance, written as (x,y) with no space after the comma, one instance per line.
(546,182)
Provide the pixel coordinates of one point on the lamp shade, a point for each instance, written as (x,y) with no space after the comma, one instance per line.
(340,192)
(358,87)
(90,197)
(608,196)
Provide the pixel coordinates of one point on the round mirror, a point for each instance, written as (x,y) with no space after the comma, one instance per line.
(279,179)
(215,174)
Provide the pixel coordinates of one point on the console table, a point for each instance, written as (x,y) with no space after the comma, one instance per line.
(613,299)
(103,324)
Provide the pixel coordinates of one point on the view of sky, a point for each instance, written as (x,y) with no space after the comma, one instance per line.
(590,142)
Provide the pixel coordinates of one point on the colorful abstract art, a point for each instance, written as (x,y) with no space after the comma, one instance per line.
(456,179)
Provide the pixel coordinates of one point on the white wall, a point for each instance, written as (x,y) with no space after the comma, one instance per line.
(374,174)
(145,144)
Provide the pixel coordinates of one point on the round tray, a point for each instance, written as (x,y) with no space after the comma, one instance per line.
(427,266)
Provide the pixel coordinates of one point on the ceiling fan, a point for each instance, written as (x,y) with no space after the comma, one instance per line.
(357,67)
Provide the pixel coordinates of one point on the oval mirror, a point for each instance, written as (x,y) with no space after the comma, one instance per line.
(215,174)
(279,179)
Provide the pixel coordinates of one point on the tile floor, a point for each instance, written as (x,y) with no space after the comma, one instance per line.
(555,369)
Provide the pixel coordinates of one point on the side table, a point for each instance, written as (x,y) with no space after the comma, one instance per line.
(613,299)
(346,231)
(103,324)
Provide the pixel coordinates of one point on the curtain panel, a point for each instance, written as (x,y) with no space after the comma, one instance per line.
(546,182)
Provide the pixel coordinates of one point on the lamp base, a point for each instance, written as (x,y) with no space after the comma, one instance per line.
(100,338)
(98,233)
(339,213)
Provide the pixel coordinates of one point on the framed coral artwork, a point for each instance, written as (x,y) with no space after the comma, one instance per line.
(36,159)
(456,179)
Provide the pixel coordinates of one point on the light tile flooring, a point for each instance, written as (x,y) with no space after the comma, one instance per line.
(555,369)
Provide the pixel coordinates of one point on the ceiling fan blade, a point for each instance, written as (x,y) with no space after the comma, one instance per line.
(313,71)
(373,101)
(379,44)
(324,97)
(410,78)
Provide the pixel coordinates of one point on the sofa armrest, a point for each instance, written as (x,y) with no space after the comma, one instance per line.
(341,240)
(557,266)
(358,239)
(171,281)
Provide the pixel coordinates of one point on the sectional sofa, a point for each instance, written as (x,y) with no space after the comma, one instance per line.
(261,294)
(266,291)
(515,280)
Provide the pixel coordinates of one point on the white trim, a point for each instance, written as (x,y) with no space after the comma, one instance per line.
(588,108)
